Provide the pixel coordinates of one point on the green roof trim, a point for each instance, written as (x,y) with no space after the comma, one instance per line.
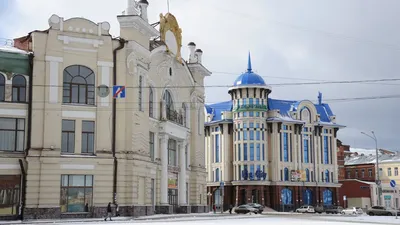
(14,63)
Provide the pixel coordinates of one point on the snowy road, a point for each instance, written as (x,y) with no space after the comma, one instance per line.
(293,219)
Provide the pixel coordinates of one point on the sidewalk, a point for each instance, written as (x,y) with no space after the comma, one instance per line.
(121,219)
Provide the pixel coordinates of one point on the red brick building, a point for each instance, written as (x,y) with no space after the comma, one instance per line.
(342,151)
(364,172)
(358,193)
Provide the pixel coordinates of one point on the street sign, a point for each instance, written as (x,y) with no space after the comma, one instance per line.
(378,182)
(119,91)
(393,183)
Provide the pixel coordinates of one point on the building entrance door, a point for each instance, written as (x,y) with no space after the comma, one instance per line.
(173,199)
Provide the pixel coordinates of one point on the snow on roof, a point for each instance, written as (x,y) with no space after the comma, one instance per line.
(369,159)
(364,151)
(6,48)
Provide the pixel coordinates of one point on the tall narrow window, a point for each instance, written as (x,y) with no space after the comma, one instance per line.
(171,152)
(78,82)
(217,175)
(68,136)
(258,152)
(396,171)
(18,89)
(88,136)
(217,148)
(285,147)
(12,134)
(305,146)
(245,151)
(151,102)
(2,87)
(239,152)
(307,175)
(151,145)
(140,96)
(251,151)
(286,174)
(389,172)
(263,152)
(327,175)
(326,156)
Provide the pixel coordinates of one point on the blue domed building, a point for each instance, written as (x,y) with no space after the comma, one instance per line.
(277,153)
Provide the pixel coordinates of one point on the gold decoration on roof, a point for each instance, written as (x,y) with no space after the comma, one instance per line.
(168,25)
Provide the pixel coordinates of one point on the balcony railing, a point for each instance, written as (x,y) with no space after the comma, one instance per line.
(175,116)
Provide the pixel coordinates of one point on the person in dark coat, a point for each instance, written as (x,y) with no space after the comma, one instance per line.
(230,209)
(109,212)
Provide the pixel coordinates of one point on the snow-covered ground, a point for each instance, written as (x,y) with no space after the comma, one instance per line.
(284,219)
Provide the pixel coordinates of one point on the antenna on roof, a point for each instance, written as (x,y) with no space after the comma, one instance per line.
(319,98)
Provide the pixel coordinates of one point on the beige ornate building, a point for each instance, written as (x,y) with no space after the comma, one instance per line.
(116,120)
(278,153)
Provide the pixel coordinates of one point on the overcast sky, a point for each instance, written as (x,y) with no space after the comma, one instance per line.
(290,41)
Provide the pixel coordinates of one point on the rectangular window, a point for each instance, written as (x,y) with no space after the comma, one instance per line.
(152,191)
(258,152)
(362,173)
(251,125)
(238,135)
(88,136)
(326,158)
(389,171)
(369,172)
(186,156)
(12,134)
(239,152)
(263,152)
(68,136)
(251,174)
(151,145)
(356,174)
(217,148)
(285,147)
(245,151)
(305,146)
(396,171)
(245,135)
(251,151)
(252,135)
(76,193)
(262,133)
(258,135)
(140,93)
(348,174)
(171,152)
(245,125)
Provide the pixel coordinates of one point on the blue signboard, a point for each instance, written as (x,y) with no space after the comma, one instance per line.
(393,183)
(259,174)
(119,91)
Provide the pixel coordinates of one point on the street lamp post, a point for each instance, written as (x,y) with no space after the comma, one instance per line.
(378,180)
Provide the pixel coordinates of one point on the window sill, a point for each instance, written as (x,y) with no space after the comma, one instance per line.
(74,213)
(64,154)
(78,105)
(12,152)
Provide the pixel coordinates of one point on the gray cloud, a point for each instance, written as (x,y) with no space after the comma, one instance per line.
(308,39)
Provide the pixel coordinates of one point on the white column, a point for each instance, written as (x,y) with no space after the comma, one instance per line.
(105,68)
(54,78)
(164,169)
(182,174)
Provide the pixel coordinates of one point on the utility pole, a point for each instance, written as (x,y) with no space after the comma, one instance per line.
(378,180)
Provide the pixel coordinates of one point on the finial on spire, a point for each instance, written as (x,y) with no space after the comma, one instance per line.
(319,98)
(249,65)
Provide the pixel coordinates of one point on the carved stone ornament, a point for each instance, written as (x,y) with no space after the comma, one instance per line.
(131,63)
(169,23)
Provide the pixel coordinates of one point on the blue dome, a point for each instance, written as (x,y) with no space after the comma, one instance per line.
(249,78)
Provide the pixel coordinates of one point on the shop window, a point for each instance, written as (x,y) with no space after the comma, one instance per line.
(76,193)
(9,194)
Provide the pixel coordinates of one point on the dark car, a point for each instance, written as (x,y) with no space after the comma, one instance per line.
(319,209)
(259,207)
(333,209)
(244,209)
(382,211)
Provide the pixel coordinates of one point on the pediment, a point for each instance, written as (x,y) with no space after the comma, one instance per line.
(79,25)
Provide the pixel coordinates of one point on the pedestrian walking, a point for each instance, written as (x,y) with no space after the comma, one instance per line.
(117,210)
(230,209)
(214,208)
(109,212)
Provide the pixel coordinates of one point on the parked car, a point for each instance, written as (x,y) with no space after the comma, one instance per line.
(244,209)
(306,209)
(382,211)
(333,209)
(319,209)
(257,206)
(352,211)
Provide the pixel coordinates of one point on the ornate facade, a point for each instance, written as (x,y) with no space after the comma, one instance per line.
(278,153)
(109,121)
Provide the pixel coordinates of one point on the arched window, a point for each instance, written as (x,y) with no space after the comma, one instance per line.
(2,87)
(18,89)
(327,197)
(286,174)
(168,101)
(78,82)
(151,102)
(286,196)
(305,115)
(307,175)
(184,116)
(307,197)
(327,176)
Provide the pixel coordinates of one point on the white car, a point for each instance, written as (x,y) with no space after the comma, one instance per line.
(306,209)
(352,211)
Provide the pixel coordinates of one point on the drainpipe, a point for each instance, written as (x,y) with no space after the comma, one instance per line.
(29,138)
(114,119)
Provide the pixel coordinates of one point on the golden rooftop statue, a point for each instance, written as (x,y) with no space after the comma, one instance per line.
(171,34)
